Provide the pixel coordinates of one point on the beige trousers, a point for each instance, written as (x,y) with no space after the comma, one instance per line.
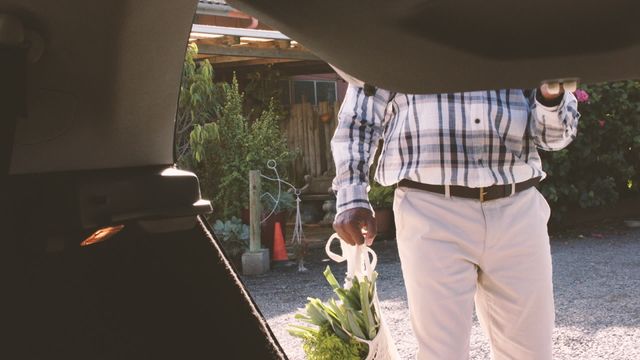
(455,252)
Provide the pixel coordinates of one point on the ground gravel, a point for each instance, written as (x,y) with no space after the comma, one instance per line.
(597,293)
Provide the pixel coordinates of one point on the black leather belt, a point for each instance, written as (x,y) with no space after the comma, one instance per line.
(483,194)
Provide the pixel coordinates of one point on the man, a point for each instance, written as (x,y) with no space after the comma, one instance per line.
(471,226)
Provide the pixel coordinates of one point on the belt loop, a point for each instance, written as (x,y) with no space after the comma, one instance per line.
(447,191)
(513,188)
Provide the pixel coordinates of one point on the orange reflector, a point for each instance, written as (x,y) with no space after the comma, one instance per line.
(102,235)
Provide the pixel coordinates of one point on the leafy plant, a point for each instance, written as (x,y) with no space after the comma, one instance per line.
(326,345)
(602,164)
(350,318)
(262,89)
(199,100)
(270,201)
(201,139)
(243,147)
(216,139)
(233,234)
(231,166)
(381,196)
(267,142)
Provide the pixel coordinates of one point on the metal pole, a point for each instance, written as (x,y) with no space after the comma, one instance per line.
(254,210)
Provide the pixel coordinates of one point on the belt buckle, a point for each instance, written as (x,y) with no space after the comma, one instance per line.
(483,193)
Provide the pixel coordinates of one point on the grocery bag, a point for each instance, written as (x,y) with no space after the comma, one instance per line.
(361,261)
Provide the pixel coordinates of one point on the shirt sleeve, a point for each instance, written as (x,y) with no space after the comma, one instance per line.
(554,127)
(360,124)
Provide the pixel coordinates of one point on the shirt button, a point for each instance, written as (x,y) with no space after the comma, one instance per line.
(477,121)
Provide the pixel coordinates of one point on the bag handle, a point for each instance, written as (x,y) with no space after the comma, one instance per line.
(361,259)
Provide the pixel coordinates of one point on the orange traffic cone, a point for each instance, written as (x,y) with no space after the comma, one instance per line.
(279,250)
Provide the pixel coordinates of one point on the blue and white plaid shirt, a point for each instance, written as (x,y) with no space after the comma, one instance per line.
(473,139)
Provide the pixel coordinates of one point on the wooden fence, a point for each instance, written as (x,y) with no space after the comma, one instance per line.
(309,130)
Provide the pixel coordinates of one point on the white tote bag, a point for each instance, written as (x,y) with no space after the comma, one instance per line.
(361,261)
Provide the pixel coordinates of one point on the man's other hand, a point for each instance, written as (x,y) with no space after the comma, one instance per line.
(349,225)
(551,91)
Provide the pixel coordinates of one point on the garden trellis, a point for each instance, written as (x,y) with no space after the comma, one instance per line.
(298,235)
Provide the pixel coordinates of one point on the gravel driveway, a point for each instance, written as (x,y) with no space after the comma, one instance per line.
(597,292)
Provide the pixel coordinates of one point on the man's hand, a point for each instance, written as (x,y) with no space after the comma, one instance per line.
(349,225)
(554,90)
(551,91)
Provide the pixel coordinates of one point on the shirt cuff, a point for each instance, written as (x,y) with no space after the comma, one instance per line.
(550,106)
(352,196)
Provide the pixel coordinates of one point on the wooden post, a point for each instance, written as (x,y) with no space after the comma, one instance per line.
(254,210)
(311,145)
(327,146)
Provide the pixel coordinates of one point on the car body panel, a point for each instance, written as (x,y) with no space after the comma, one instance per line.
(94,155)
(104,93)
(437,46)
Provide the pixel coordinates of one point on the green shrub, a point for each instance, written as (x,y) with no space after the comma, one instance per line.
(231,163)
(223,154)
(198,103)
(262,88)
(602,165)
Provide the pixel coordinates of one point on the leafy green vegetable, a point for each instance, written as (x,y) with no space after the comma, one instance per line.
(325,345)
(339,323)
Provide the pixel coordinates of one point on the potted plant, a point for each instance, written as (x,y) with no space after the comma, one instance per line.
(381,198)
(234,236)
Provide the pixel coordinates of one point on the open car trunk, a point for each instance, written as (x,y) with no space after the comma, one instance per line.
(89,92)
(88,97)
(436,46)
(149,292)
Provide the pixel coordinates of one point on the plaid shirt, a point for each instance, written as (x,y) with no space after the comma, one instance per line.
(473,139)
